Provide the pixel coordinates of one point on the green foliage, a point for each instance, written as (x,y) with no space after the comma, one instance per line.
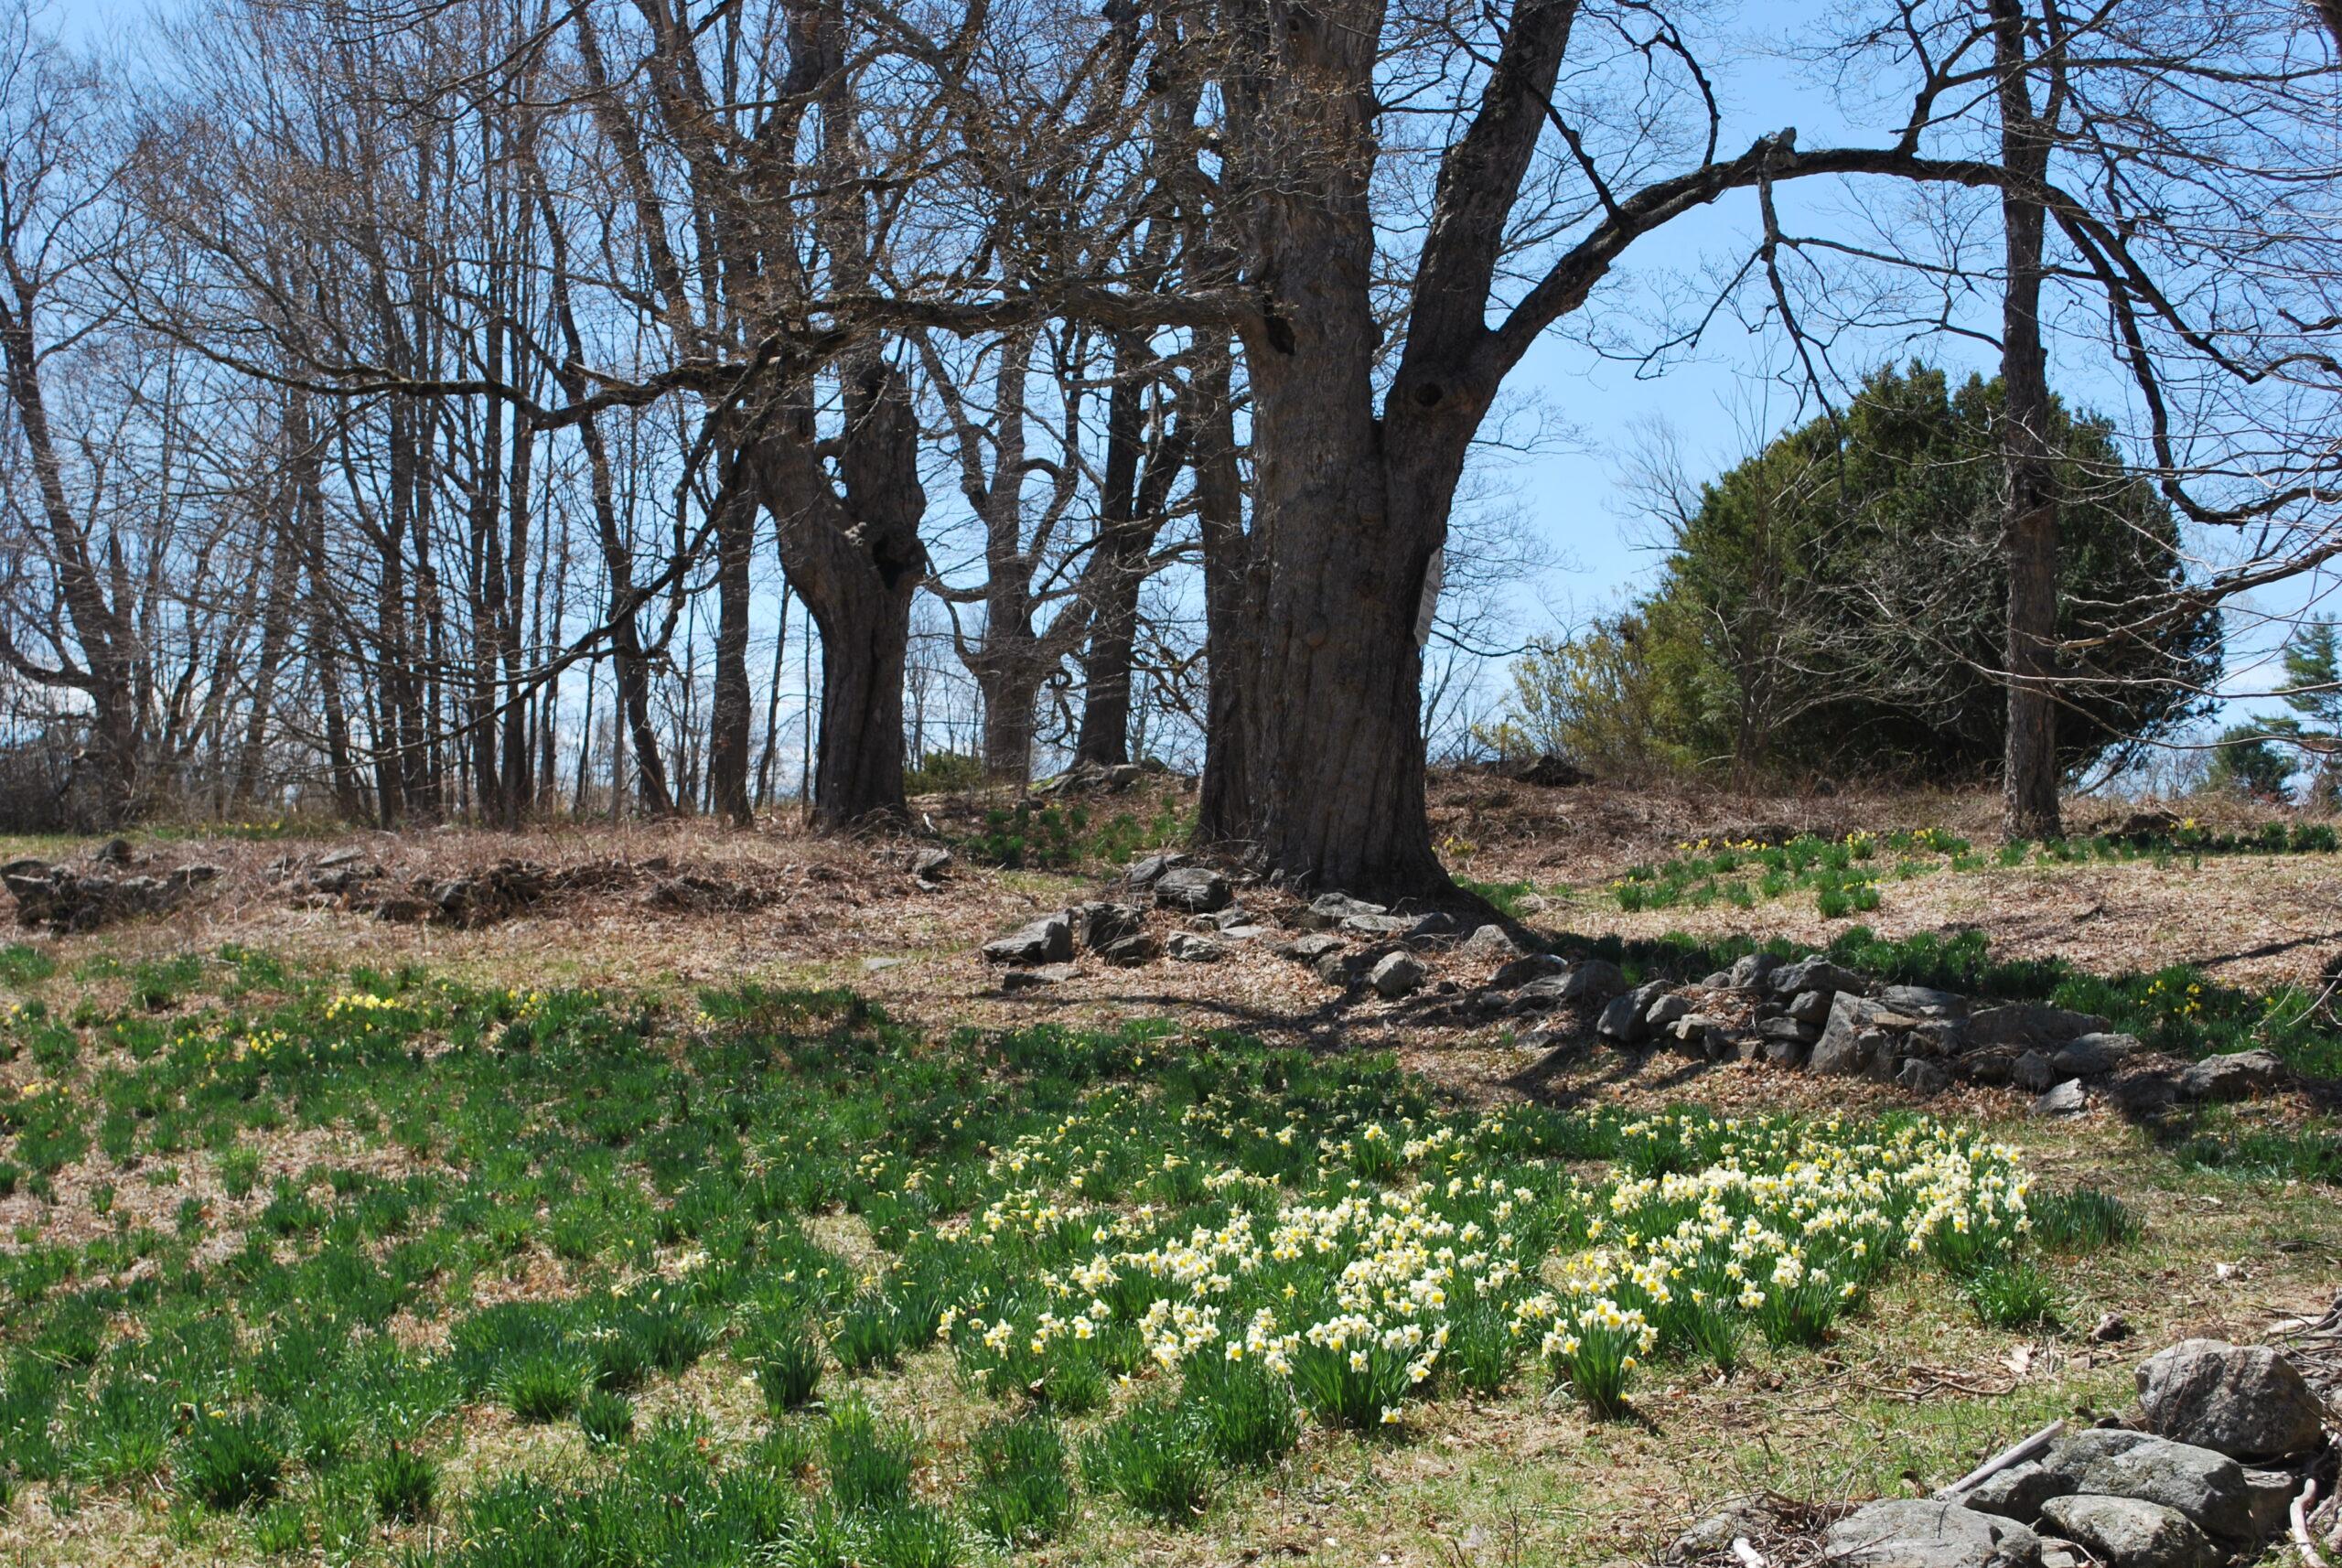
(1030,837)
(404,1485)
(2015,1295)
(1836,604)
(1020,1493)
(605,1417)
(870,1460)
(2082,1219)
(944,773)
(1155,1457)
(2249,761)
(228,1459)
(786,1361)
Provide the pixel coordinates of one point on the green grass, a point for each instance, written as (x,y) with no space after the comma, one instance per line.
(785,1189)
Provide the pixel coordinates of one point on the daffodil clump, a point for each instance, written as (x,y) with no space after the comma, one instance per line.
(1354,1293)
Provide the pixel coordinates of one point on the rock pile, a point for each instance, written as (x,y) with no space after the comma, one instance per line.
(65,899)
(2227,1437)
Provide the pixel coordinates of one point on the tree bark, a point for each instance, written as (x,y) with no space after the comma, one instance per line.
(1224,796)
(2029,773)
(730,707)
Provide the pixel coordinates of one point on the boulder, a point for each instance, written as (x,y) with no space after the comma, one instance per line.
(929,862)
(1810,1006)
(1751,972)
(1097,925)
(1189,947)
(1489,944)
(1330,909)
(1396,974)
(1131,951)
(1049,939)
(1378,925)
(1146,873)
(1909,1533)
(2030,1024)
(1920,1001)
(2128,1532)
(1521,971)
(2273,1493)
(2036,1072)
(1539,995)
(1622,1021)
(1334,968)
(2244,1401)
(1855,1038)
(2207,1488)
(1921,1077)
(1666,1009)
(1788,1030)
(1313,947)
(1228,918)
(2068,1099)
(1813,975)
(2240,1075)
(2016,1492)
(1596,980)
(1437,923)
(1243,932)
(1198,889)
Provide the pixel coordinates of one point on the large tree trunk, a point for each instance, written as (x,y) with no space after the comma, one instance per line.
(1337,753)
(853,554)
(1105,737)
(2029,776)
(1224,803)
(731,709)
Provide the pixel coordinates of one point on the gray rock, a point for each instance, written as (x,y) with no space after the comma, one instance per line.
(2078,1451)
(1098,925)
(1435,924)
(1784,1051)
(1595,979)
(1397,974)
(1330,909)
(880,965)
(1907,1532)
(1377,925)
(2126,1532)
(1488,943)
(1921,1077)
(1713,1535)
(1719,980)
(1233,914)
(1920,1001)
(1539,995)
(1937,1038)
(1189,947)
(1813,975)
(1147,872)
(1131,951)
(2207,1488)
(1313,947)
(2016,1492)
(1049,939)
(1854,1036)
(1198,889)
(1666,1009)
(1622,1020)
(1243,932)
(1521,971)
(1810,1006)
(1334,968)
(1750,972)
(929,861)
(1788,1030)
(1697,1033)
(2068,1099)
(2240,1075)
(2244,1401)
(2035,1072)
(2083,1057)
(2030,1024)
(342,858)
(2272,1493)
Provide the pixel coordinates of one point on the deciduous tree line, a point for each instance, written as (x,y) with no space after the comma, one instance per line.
(382,376)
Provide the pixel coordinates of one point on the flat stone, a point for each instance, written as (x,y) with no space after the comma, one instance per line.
(2068,1099)
(1921,1077)
(1666,1009)
(1313,947)
(2035,1072)
(1198,889)
(1437,923)
(1098,923)
(1035,978)
(1189,947)
(1813,975)
(1049,939)
(2244,1401)
(1378,925)
(1243,932)
(2127,1532)
(1713,1535)
(1232,915)
(880,965)
(1909,1533)
(1145,873)
(2239,1075)
(1810,1006)
(1131,951)
(1330,909)
(2016,1492)
(1920,1001)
